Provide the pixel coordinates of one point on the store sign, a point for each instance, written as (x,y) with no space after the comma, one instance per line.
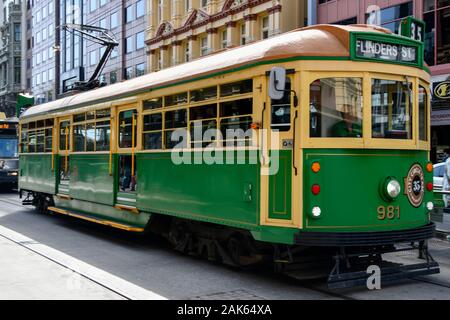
(379,50)
(442,90)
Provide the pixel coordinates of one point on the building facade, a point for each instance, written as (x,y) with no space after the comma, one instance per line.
(10,55)
(125,20)
(436,14)
(183,30)
(56,58)
(38,43)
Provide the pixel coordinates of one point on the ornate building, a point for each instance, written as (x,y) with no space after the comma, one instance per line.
(183,30)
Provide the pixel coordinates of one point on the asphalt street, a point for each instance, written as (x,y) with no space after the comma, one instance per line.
(150,263)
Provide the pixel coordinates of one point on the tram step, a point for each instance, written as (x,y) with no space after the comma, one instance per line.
(96,220)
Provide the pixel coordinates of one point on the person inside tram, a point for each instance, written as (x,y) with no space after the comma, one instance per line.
(348,127)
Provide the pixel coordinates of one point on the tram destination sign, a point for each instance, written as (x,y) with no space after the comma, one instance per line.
(387,49)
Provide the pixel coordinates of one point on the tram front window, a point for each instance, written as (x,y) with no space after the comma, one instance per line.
(8,148)
(336,108)
(391,109)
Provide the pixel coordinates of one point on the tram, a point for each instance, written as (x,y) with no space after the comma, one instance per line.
(9,153)
(312,145)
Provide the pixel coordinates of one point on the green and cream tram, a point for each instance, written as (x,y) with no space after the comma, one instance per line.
(332,152)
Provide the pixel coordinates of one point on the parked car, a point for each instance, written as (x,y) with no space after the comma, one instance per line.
(438,178)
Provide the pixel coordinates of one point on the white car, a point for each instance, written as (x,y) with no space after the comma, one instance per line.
(438,176)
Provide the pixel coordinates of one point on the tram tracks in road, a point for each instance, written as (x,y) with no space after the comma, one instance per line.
(432,282)
(13,203)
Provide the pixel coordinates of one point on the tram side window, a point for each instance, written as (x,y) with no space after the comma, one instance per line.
(79,137)
(281,110)
(126,130)
(175,129)
(37,136)
(423,111)
(24,138)
(64,135)
(336,108)
(203,124)
(235,123)
(235,88)
(391,109)
(152,133)
(102,135)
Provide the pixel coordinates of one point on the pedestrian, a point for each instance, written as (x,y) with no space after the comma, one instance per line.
(446,185)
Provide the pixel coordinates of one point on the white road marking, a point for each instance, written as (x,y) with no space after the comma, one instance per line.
(108,280)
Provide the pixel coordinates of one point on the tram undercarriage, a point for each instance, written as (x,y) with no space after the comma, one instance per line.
(345,259)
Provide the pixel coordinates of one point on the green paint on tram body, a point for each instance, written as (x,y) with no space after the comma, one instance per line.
(350,194)
(230,194)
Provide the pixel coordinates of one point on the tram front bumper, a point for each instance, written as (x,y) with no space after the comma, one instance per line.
(361,239)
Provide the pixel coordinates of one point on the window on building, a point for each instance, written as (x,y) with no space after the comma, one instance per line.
(204,49)
(17,32)
(50,7)
(265,28)
(129,44)
(113,77)
(160,10)
(93,58)
(204,3)
(103,2)
(187,52)
(187,5)
(93,5)
(224,39)
(129,14)
(140,40)
(391,17)
(50,29)
(437,32)
(140,8)
(114,20)
(102,23)
(140,69)
(128,73)
(243,34)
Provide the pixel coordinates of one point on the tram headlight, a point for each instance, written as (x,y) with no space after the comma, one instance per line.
(316,212)
(393,189)
(430,206)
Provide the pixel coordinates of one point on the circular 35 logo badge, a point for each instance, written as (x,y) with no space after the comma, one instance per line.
(414,185)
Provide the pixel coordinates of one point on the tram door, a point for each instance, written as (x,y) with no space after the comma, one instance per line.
(63,167)
(126,160)
(279,121)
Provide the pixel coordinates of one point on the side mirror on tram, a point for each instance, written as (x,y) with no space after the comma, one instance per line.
(277,83)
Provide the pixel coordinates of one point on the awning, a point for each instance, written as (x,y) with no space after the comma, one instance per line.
(440,118)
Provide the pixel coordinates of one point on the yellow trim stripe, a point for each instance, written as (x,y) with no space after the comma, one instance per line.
(98,221)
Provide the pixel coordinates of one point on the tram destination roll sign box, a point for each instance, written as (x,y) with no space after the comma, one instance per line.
(387,50)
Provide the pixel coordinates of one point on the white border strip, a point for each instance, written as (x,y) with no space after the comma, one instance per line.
(101,277)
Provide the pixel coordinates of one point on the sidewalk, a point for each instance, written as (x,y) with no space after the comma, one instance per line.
(27,275)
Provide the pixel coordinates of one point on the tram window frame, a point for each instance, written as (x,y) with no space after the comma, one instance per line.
(62,135)
(407,94)
(201,116)
(171,128)
(320,125)
(158,133)
(423,122)
(245,87)
(39,131)
(120,127)
(281,105)
(91,138)
(244,141)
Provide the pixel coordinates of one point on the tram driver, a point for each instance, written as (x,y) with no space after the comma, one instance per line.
(348,126)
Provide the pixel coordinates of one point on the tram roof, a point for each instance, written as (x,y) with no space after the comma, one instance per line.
(314,41)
